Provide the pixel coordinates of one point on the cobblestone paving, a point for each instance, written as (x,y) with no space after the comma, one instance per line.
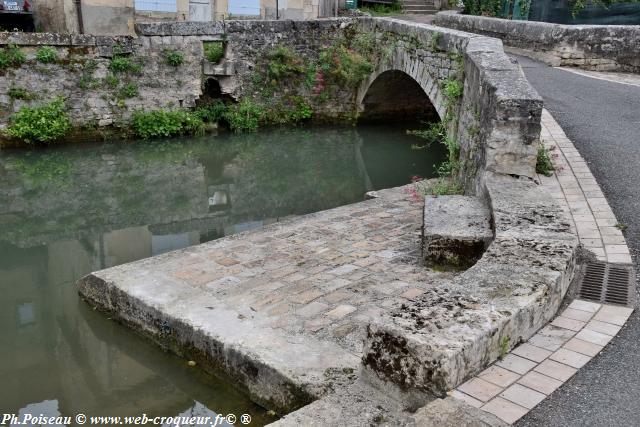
(328,274)
(576,190)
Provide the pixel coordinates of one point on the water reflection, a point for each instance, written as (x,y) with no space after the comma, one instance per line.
(67,211)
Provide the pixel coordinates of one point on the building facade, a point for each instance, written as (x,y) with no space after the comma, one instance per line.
(115,17)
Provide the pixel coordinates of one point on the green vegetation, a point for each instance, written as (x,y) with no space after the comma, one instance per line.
(11,56)
(165,123)
(87,80)
(46,55)
(245,116)
(544,165)
(453,89)
(111,80)
(483,7)
(123,64)
(129,90)
(173,58)
(282,62)
(42,124)
(504,347)
(622,227)
(394,8)
(213,112)
(19,93)
(344,66)
(214,51)
(447,182)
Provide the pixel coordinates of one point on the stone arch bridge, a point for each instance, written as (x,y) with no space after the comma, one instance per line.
(496,120)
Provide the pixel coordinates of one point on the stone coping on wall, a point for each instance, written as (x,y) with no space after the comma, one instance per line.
(593,47)
(63,40)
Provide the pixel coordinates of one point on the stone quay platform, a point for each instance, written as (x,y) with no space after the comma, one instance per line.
(282,310)
(336,310)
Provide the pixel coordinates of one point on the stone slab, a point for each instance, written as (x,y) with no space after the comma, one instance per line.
(456,230)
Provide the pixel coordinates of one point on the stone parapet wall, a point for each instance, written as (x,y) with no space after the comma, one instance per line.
(591,47)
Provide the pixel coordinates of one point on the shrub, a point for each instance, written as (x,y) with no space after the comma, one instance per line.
(483,7)
(301,110)
(435,133)
(46,55)
(447,182)
(19,93)
(44,123)
(165,123)
(128,91)
(245,116)
(173,58)
(214,51)
(11,56)
(544,165)
(212,113)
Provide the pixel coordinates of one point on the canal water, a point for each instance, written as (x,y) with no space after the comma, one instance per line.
(68,210)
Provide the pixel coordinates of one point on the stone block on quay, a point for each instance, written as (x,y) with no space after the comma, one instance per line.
(456,230)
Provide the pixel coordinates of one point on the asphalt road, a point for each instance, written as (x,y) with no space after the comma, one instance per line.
(602,119)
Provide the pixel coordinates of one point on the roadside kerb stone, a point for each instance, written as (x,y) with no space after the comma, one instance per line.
(577,192)
(528,385)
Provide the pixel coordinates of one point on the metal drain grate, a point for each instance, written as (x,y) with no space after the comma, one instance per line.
(608,283)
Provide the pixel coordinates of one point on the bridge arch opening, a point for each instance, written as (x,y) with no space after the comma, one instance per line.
(395,96)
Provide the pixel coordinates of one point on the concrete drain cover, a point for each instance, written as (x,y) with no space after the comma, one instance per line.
(608,283)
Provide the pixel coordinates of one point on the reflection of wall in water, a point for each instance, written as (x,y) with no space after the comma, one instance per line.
(205,190)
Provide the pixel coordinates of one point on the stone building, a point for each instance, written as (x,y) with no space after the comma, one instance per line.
(117,17)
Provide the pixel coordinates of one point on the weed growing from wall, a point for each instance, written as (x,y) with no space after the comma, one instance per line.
(173,58)
(544,165)
(46,55)
(11,56)
(19,93)
(130,90)
(213,51)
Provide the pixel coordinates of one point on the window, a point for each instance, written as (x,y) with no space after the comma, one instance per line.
(157,5)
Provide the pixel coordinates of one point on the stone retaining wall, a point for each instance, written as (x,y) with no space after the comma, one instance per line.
(592,47)
(80,73)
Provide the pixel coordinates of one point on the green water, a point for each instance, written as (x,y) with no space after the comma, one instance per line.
(68,210)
